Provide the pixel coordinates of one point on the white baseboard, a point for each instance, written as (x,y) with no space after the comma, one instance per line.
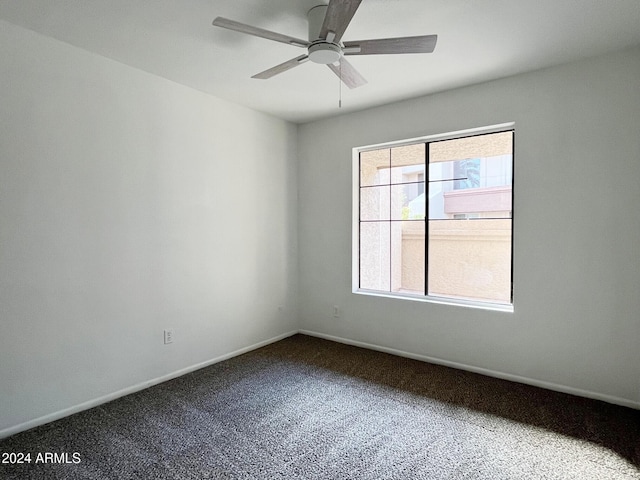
(490,373)
(7,432)
(141,386)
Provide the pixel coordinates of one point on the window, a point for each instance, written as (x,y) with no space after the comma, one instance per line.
(433,218)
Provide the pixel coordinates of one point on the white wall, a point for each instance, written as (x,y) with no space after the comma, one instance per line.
(576,325)
(130,204)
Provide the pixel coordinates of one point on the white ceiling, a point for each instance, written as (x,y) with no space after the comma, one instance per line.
(478,40)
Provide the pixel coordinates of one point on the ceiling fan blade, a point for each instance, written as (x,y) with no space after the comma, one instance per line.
(283,67)
(258,32)
(338,16)
(347,73)
(421,44)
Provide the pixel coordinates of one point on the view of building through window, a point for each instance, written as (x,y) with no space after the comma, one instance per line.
(435,218)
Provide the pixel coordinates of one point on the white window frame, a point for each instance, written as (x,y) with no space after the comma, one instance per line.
(355,267)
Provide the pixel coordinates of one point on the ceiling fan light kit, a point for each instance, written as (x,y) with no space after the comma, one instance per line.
(327,24)
(324,52)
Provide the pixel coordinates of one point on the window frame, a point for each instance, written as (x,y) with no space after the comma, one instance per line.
(510,126)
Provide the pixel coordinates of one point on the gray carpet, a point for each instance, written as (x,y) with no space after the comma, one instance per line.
(306,408)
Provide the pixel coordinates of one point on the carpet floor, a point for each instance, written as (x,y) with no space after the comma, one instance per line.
(306,408)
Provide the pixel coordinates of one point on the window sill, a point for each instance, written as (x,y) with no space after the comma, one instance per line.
(496,307)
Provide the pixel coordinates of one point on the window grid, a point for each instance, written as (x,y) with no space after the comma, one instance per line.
(427,180)
(426,220)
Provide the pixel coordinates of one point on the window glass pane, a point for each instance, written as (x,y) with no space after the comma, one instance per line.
(489,145)
(407,163)
(446,202)
(375,203)
(407,203)
(375,259)
(478,186)
(470,259)
(474,172)
(407,257)
(374,167)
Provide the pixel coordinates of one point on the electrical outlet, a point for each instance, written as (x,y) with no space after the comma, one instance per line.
(336,311)
(168,336)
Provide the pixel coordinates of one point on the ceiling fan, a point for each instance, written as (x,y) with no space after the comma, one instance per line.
(327,24)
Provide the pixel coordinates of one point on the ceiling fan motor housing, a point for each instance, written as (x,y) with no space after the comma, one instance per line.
(321,50)
(315,16)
